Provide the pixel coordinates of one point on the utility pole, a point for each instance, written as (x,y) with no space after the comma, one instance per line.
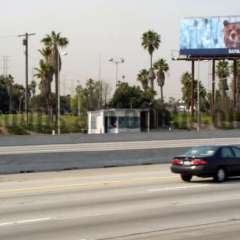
(25,43)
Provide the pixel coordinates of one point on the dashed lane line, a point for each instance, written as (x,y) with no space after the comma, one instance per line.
(87,185)
(166,189)
(25,221)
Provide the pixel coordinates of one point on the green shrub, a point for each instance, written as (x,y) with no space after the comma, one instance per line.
(17,130)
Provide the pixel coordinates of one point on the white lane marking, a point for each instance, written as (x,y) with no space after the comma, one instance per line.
(176,188)
(24,221)
(5,224)
(115,146)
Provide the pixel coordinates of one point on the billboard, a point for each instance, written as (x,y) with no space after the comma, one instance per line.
(210,36)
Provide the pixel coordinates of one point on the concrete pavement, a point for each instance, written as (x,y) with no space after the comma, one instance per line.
(145,202)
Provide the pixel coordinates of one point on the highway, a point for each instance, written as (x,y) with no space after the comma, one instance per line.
(129,203)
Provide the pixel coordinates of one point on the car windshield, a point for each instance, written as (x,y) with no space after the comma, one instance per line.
(201,151)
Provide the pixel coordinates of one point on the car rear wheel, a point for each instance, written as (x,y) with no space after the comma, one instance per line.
(220,176)
(186,178)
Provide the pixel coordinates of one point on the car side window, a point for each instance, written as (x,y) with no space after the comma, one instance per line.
(236,152)
(226,153)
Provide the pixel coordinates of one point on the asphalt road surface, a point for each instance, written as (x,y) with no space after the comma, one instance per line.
(146,202)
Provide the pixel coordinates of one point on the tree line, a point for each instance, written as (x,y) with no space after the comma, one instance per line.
(224,89)
(96,94)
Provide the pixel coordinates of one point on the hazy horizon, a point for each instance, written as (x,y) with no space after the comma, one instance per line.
(103,27)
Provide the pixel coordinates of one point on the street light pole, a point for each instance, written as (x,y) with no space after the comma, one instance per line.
(198,98)
(78,98)
(116,72)
(58,96)
(117,62)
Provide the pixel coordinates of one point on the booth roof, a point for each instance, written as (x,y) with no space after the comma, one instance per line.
(122,110)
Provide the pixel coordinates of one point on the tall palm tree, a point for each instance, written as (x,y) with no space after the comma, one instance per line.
(53,42)
(46,52)
(48,62)
(238,80)
(32,88)
(90,89)
(44,73)
(186,81)
(151,41)
(142,77)
(223,72)
(161,67)
(238,77)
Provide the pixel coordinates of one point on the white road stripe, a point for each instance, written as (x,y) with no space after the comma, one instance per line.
(24,221)
(166,189)
(115,146)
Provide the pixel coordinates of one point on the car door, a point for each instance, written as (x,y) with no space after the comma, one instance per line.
(236,151)
(229,160)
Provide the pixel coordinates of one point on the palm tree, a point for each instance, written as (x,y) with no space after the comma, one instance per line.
(46,52)
(161,67)
(90,90)
(32,88)
(223,72)
(142,77)
(238,79)
(53,42)
(151,41)
(44,73)
(186,81)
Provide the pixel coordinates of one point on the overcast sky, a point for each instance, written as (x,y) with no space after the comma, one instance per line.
(110,28)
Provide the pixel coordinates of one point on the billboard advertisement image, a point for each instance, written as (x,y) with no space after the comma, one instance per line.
(210,36)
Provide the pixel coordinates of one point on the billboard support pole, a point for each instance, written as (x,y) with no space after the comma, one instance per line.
(192,91)
(213,86)
(198,99)
(235,83)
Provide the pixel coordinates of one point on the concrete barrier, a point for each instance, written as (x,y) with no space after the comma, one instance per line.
(23,163)
(36,158)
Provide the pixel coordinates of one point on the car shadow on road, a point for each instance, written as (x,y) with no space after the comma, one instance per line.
(230,180)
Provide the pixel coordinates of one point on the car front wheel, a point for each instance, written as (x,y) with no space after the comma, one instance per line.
(186,178)
(220,176)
